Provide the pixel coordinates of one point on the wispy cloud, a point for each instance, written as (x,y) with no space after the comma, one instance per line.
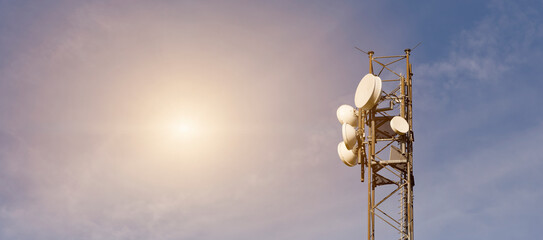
(478,134)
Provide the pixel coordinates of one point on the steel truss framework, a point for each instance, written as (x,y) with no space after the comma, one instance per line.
(396,171)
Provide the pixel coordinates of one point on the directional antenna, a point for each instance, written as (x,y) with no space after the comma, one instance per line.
(347,156)
(368,92)
(349,135)
(376,91)
(346,114)
(399,125)
(364,91)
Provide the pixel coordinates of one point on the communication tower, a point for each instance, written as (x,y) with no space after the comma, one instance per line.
(381,121)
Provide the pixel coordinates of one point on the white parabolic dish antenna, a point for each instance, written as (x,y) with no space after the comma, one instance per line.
(399,125)
(368,92)
(347,156)
(349,135)
(376,92)
(345,114)
(364,91)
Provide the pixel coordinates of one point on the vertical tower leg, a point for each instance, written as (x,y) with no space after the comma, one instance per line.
(371,217)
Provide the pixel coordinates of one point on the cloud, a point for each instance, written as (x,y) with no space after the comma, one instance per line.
(484,189)
(476,149)
(90,90)
(485,56)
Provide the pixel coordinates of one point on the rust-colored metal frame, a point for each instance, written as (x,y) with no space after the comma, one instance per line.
(402,169)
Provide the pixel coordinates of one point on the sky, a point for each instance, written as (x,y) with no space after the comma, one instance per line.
(217,119)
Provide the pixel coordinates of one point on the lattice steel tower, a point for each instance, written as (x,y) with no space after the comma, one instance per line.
(381,121)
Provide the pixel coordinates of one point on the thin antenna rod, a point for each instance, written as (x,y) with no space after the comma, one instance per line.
(416,46)
(361,50)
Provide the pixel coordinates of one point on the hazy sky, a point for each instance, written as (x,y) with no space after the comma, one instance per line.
(217,119)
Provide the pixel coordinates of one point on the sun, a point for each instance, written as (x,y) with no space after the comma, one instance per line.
(183,128)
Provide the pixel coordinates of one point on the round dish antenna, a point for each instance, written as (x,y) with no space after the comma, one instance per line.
(364,91)
(349,135)
(399,125)
(346,114)
(376,93)
(347,156)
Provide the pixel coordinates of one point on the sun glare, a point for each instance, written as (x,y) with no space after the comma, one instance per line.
(183,129)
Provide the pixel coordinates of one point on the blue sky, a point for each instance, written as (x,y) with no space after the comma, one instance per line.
(216,120)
